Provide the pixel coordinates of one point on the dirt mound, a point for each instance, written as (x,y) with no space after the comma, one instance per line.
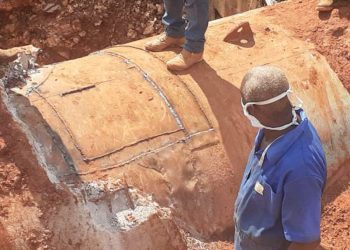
(71,29)
(27,197)
(329,31)
(336,213)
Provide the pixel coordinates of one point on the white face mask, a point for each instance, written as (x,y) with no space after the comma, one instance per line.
(257,124)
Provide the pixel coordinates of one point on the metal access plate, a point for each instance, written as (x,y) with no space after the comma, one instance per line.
(104,117)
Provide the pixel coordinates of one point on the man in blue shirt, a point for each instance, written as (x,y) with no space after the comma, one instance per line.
(279,202)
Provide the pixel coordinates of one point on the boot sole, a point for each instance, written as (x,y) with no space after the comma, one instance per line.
(181,69)
(324,8)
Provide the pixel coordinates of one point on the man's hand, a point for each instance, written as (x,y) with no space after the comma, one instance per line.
(305,246)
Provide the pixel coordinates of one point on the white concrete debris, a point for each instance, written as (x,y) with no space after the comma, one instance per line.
(145,207)
(20,69)
(98,189)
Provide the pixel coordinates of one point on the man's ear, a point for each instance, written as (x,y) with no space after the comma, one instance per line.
(250,109)
(253,109)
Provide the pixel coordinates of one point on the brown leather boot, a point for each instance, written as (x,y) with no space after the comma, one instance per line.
(162,42)
(325,5)
(184,60)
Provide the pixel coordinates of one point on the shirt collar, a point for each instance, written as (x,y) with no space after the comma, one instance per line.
(283,143)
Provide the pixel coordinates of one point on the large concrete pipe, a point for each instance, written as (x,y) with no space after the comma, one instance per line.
(182,138)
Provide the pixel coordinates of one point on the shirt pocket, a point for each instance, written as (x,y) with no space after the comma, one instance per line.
(262,208)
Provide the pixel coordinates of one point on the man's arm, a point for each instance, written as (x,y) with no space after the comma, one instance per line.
(301,213)
(304,246)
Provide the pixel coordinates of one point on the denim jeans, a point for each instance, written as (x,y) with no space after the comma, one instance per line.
(194,30)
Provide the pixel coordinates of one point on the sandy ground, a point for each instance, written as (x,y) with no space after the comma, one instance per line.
(26,195)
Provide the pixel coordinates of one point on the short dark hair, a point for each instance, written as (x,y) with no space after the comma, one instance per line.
(262,83)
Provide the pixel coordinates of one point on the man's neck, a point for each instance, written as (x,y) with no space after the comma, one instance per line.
(271,135)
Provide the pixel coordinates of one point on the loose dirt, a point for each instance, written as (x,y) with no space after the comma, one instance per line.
(74,28)
(70,29)
(329,31)
(336,214)
(27,197)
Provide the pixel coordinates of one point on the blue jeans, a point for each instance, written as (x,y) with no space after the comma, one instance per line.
(197,17)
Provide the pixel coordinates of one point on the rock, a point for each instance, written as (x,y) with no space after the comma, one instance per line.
(26,36)
(160,9)
(76,24)
(65,3)
(10,28)
(64,53)
(131,34)
(149,28)
(52,41)
(98,23)
(2,144)
(76,39)
(51,8)
(82,33)
(70,9)
(65,29)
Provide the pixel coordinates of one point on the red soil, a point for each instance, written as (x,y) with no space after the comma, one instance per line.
(329,31)
(26,192)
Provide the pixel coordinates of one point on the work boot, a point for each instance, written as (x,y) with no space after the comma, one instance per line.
(162,42)
(184,60)
(324,5)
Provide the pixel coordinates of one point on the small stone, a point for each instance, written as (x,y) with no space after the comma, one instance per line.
(64,54)
(10,28)
(131,34)
(2,144)
(149,28)
(160,9)
(65,29)
(82,33)
(52,41)
(76,24)
(76,39)
(70,9)
(130,218)
(348,56)
(51,8)
(98,23)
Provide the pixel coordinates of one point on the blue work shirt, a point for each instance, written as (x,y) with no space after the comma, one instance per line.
(280,201)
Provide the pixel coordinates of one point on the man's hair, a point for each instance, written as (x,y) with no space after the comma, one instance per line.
(262,83)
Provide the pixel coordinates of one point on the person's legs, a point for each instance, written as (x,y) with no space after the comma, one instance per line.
(175,27)
(172,19)
(198,18)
